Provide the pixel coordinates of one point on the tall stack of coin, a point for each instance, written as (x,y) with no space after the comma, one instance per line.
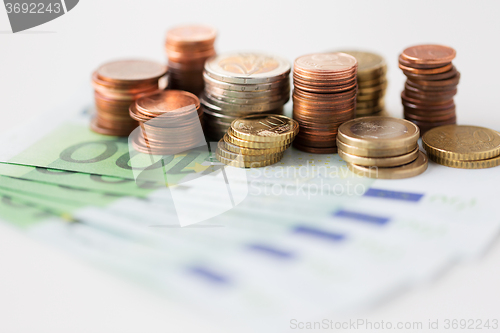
(257,140)
(372,83)
(116,85)
(324,97)
(241,84)
(170,123)
(464,147)
(381,147)
(188,47)
(430,86)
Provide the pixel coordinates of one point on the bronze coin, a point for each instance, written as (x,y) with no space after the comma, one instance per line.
(404,62)
(429,54)
(444,106)
(431,88)
(429,71)
(432,77)
(314,150)
(425,103)
(439,83)
(426,112)
(430,118)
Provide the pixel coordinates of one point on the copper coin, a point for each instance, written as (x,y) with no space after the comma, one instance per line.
(415,101)
(431,88)
(131,70)
(429,54)
(430,118)
(426,112)
(167,101)
(427,71)
(314,150)
(444,106)
(325,62)
(440,83)
(191,34)
(404,62)
(432,77)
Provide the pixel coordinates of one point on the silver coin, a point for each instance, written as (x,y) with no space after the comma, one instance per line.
(247,68)
(247,101)
(241,108)
(213,90)
(246,87)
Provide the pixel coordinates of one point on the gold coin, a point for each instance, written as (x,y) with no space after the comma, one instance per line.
(265,128)
(364,152)
(399,172)
(379,133)
(368,63)
(250,164)
(252,151)
(245,158)
(462,143)
(379,161)
(480,164)
(229,137)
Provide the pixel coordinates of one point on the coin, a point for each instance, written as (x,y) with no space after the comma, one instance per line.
(187,48)
(231,138)
(429,54)
(428,71)
(117,84)
(252,151)
(249,164)
(366,152)
(170,122)
(247,68)
(131,70)
(379,133)
(324,96)
(480,164)
(379,161)
(222,151)
(412,169)
(265,128)
(462,143)
(315,150)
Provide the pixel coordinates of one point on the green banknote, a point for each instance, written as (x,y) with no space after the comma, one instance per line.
(64,194)
(72,146)
(23,212)
(92,182)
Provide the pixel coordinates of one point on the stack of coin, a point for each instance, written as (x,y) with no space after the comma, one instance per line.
(170,123)
(430,86)
(188,47)
(241,84)
(372,83)
(257,140)
(381,147)
(464,147)
(324,97)
(116,85)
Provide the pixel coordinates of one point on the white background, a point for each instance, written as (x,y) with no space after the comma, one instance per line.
(43,290)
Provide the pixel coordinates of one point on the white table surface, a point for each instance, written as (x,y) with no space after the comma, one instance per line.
(45,290)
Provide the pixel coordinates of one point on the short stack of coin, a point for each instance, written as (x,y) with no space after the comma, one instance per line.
(241,84)
(324,97)
(381,147)
(188,47)
(430,86)
(170,123)
(257,140)
(464,147)
(116,85)
(372,83)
